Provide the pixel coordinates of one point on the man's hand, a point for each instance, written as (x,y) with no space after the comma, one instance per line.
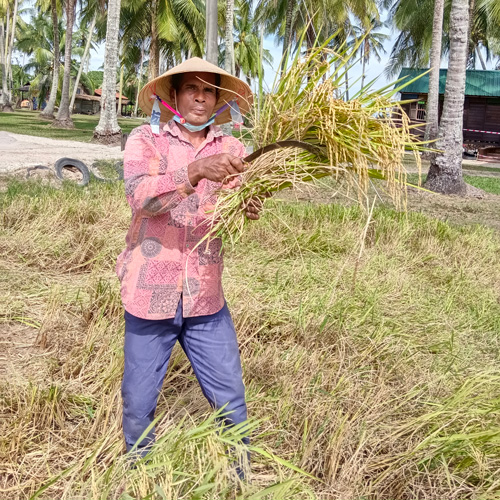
(215,168)
(253,207)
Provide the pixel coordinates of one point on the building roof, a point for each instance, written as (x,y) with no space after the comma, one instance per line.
(99,93)
(477,83)
(86,97)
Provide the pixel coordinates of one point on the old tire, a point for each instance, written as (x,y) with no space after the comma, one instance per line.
(63,163)
(31,170)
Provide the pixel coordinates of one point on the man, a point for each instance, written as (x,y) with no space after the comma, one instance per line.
(171,286)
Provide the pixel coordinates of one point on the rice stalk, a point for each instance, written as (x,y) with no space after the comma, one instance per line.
(358,140)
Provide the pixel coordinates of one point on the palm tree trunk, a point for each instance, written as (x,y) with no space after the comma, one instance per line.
(7,28)
(8,62)
(48,112)
(229,43)
(363,59)
(445,172)
(82,61)
(261,65)
(108,130)
(154,48)
(139,81)
(287,40)
(211,32)
(119,110)
(2,69)
(64,114)
(432,112)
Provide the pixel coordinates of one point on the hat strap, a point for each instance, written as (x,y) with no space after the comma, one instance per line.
(170,108)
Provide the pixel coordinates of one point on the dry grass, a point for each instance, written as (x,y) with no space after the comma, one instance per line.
(377,372)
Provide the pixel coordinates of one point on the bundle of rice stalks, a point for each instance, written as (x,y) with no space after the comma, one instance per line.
(358,139)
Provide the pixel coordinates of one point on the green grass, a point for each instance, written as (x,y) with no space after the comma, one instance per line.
(29,123)
(371,363)
(488,184)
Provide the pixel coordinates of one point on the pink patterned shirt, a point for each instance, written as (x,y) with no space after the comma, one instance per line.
(168,220)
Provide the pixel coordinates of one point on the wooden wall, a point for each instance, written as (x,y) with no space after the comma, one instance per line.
(480,113)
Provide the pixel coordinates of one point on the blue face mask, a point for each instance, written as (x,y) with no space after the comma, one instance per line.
(194,128)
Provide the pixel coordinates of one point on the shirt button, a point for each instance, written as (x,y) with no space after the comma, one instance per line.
(187,245)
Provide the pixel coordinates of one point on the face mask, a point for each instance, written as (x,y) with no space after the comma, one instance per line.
(194,128)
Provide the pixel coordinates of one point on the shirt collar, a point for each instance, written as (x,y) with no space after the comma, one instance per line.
(175,130)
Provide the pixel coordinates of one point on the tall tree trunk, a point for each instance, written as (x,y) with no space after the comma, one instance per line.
(64,114)
(5,102)
(432,113)
(287,40)
(11,48)
(229,65)
(363,61)
(154,48)
(7,93)
(261,66)
(139,81)
(48,112)
(82,61)
(211,32)
(119,110)
(7,31)
(2,68)
(108,130)
(445,172)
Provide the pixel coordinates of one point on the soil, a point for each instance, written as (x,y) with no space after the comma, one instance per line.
(18,152)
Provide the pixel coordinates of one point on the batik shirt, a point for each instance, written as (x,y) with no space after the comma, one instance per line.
(162,259)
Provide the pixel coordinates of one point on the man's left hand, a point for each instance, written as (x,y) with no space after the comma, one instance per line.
(253,207)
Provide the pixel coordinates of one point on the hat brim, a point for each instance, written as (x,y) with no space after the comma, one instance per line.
(230,88)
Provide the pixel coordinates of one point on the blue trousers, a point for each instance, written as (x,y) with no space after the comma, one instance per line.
(211,346)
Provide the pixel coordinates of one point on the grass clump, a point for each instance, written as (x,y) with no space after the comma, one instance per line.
(371,362)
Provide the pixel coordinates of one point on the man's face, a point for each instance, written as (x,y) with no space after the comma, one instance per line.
(195,98)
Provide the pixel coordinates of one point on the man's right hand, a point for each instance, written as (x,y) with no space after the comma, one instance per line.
(215,168)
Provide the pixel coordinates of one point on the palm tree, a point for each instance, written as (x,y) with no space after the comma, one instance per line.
(445,172)
(170,28)
(88,43)
(247,46)
(3,67)
(372,45)
(9,45)
(414,42)
(35,39)
(108,130)
(64,114)
(48,111)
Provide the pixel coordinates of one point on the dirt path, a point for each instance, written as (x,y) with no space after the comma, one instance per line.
(21,151)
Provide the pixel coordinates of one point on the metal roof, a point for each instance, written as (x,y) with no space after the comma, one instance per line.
(477,83)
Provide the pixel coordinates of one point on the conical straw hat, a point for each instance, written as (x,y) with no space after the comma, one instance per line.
(231,88)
